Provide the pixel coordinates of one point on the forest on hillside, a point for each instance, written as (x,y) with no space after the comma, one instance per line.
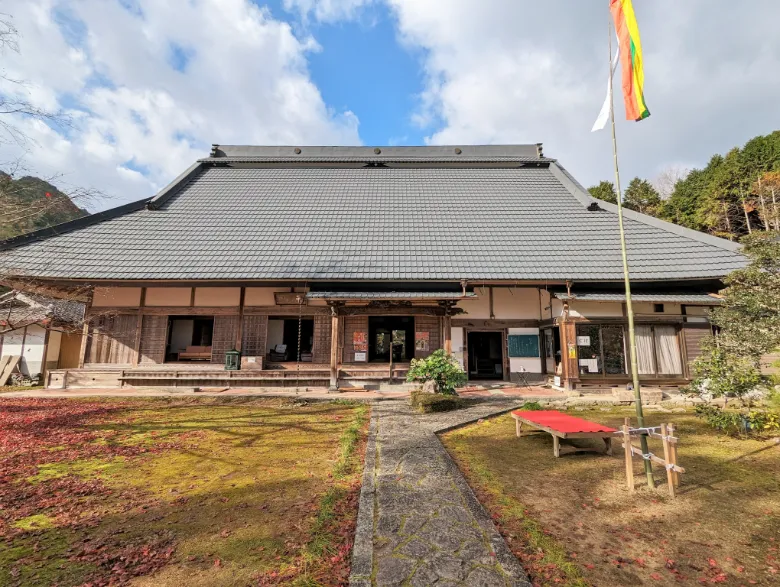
(733,195)
(30,203)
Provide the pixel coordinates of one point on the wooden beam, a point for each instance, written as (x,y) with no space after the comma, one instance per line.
(448,334)
(44,370)
(138,327)
(490,299)
(494,324)
(240,329)
(85,334)
(335,325)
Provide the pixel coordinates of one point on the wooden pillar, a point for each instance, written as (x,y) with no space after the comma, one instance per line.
(85,333)
(570,364)
(44,370)
(448,333)
(335,327)
(240,329)
(139,326)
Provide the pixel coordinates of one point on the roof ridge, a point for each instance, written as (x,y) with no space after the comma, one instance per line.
(582,195)
(533,150)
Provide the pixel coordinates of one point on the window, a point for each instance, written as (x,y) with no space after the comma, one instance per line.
(658,350)
(658,308)
(601,349)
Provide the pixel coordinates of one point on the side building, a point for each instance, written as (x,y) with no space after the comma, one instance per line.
(335,266)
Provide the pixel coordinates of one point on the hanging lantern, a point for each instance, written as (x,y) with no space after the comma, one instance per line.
(232,360)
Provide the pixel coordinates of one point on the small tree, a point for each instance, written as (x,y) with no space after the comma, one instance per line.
(642,197)
(749,322)
(604,191)
(440,367)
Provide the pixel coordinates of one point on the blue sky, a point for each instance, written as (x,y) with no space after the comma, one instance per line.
(149,85)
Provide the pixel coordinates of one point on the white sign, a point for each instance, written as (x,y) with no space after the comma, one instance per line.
(583,341)
(557,381)
(360,357)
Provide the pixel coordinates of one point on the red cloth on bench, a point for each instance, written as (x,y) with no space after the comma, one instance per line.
(561,422)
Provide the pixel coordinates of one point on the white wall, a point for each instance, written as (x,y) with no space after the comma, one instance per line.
(531,364)
(12,342)
(275,334)
(116,296)
(579,309)
(478,307)
(456,334)
(181,335)
(514,303)
(217,296)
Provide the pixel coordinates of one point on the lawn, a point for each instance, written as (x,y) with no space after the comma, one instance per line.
(571,520)
(171,492)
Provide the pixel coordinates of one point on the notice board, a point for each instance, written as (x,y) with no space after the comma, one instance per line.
(523,345)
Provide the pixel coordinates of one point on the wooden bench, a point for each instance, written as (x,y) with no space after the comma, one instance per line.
(561,425)
(196,353)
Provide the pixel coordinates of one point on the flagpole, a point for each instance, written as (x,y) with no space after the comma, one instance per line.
(629,306)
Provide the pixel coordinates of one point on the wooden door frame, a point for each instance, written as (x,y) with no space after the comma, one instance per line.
(504,347)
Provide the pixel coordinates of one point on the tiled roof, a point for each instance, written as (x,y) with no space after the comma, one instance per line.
(388,295)
(312,222)
(18,309)
(660,297)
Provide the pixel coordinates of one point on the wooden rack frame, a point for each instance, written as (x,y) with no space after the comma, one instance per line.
(669,462)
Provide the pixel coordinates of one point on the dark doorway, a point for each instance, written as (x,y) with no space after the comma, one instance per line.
(486,356)
(291,337)
(385,332)
(189,338)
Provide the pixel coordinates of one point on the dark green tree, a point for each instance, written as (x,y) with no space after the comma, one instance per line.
(749,322)
(642,197)
(604,191)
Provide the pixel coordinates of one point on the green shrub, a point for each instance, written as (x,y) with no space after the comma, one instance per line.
(435,402)
(739,423)
(532,406)
(440,367)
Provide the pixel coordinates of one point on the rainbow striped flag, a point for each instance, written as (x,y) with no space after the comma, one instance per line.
(630,59)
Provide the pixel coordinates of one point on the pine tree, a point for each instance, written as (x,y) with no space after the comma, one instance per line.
(605,191)
(642,197)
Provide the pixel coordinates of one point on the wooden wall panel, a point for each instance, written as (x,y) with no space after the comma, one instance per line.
(321,349)
(431,325)
(353,324)
(154,335)
(692,338)
(224,339)
(111,340)
(254,336)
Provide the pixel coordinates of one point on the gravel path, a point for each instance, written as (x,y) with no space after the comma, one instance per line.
(419,522)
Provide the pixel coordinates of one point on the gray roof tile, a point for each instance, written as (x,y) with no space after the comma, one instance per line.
(325,223)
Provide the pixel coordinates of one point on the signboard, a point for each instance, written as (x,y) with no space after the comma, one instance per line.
(360,357)
(422,341)
(360,342)
(523,345)
(572,351)
(290,299)
(583,341)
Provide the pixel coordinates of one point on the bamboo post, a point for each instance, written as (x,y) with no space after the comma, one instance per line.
(673,452)
(627,450)
(627,279)
(667,459)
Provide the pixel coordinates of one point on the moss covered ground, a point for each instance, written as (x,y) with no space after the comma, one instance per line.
(573,522)
(178,492)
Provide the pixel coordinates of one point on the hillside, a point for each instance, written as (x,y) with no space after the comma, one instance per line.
(30,203)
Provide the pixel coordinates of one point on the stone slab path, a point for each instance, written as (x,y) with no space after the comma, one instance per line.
(419,523)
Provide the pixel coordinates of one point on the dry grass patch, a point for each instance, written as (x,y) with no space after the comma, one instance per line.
(160,492)
(572,522)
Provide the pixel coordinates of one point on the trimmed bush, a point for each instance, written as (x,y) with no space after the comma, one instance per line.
(440,367)
(435,402)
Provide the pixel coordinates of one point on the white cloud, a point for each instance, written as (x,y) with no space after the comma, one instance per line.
(501,71)
(158,82)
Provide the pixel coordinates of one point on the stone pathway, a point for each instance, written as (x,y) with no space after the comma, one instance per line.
(419,523)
